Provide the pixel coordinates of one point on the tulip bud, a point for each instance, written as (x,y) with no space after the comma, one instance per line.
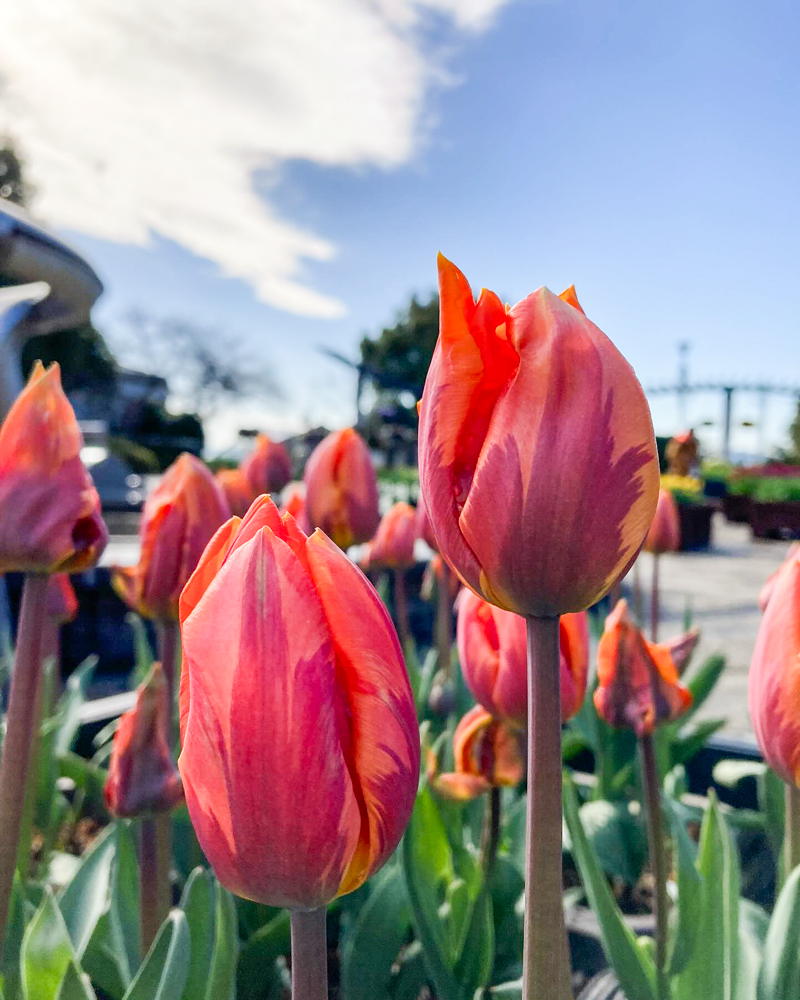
(638,686)
(300,754)
(341,489)
(769,587)
(178,520)
(268,467)
(238,491)
(537,457)
(774,684)
(492,649)
(488,754)
(142,778)
(50,519)
(393,545)
(665,531)
(62,604)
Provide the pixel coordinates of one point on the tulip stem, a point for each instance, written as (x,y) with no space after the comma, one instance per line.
(542,961)
(654,598)
(154,862)
(444,621)
(791,844)
(21,728)
(168,640)
(490,835)
(309,954)
(655,838)
(401,607)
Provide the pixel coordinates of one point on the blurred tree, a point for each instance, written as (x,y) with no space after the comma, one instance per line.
(394,366)
(82,353)
(205,367)
(13,186)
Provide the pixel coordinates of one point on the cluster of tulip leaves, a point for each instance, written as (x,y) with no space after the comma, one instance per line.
(430,917)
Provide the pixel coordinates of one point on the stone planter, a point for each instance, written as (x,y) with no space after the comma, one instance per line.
(736,508)
(775,520)
(695,525)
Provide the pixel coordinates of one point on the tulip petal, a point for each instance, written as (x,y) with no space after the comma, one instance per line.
(212,558)
(384,734)
(774,681)
(460,787)
(266,767)
(583,472)
(574,643)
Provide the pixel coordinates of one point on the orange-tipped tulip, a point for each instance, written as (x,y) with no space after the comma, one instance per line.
(341,489)
(300,742)
(488,754)
(769,587)
(268,467)
(178,520)
(237,489)
(424,526)
(62,604)
(537,457)
(142,778)
(393,545)
(774,686)
(638,686)
(665,531)
(50,520)
(492,649)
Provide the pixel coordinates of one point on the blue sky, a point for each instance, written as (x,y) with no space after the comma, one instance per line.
(646,153)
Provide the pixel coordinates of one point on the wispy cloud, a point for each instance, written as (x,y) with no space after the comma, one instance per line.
(151,117)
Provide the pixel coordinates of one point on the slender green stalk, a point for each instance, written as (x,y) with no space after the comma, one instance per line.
(154,860)
(401,607)
(309,955)
(444,621)
(654,599)
(791,843)
(21,728)
(542,961)
(655,839)
(490,835)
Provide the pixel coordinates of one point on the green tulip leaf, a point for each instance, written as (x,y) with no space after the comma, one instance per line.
(222,975)
(780,971)
(164,970)
(379,933)
(634,967)
(197,903)
(690,892)
(46,952)
(85,899)
(256,973)
(74,986)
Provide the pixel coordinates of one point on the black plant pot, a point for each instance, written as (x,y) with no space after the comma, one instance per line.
(695,525)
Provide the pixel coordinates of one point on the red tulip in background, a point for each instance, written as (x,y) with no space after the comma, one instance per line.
(492,650)
(341,489)
(393,544)
(488,754)
(50,518)
(774,685)
(178,520)
(638,686)
(294,503)
(142,778)
(665,531)
(268,467)
(300,754)
(238,491)
(537,457)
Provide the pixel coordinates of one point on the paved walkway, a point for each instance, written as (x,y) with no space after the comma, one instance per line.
(721,586)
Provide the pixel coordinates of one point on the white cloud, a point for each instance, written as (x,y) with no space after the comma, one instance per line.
(151,116)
